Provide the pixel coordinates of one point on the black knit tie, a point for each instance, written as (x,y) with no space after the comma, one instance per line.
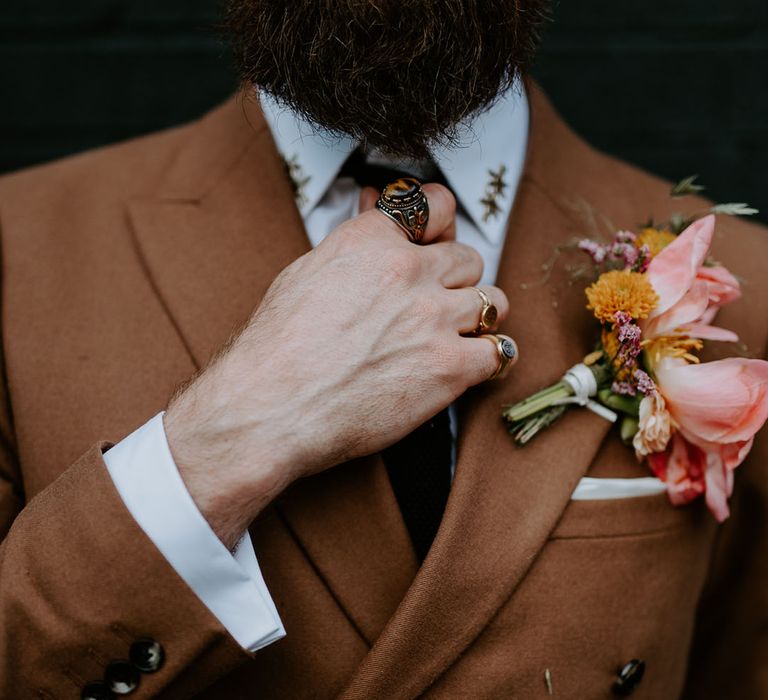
(419,466)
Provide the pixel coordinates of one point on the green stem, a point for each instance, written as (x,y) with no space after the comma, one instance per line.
(537,402)
(525,430)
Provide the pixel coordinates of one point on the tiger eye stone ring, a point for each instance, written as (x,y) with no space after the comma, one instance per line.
(405,203)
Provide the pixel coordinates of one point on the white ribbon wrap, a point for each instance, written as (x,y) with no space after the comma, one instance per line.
(582,382)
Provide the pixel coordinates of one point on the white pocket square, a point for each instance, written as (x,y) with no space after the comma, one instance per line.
(591,489)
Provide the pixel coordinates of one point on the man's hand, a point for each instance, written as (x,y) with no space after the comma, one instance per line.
(354,345)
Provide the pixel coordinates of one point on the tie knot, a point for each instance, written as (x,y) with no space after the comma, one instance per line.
(377,171)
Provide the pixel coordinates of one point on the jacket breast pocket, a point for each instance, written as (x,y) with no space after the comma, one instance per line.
(625,515)
(617,580)
(625,576)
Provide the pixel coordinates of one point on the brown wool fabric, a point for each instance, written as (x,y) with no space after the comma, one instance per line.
(123,271)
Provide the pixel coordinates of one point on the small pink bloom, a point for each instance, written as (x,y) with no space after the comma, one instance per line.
(596,251)
(624,388)
(625,237)
(645,385)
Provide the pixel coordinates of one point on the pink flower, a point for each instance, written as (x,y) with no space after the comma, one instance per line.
(716,407)
(689,293)
(723,288)
(681,468)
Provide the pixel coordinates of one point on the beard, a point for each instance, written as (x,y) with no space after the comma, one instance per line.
(396,76)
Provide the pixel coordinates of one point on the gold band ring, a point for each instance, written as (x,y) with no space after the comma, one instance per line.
(507,351)
(489,314)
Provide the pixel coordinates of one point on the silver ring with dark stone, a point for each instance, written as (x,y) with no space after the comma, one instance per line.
(405,203)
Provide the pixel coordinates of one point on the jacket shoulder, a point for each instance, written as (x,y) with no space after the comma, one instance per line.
(130,168)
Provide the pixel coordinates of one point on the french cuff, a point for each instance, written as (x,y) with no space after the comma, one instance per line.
(230,585)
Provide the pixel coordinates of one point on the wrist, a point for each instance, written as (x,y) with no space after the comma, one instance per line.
(230,476)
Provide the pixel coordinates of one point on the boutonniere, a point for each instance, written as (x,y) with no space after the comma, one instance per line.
(655,294)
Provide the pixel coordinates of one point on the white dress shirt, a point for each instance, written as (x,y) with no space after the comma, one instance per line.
(484,172)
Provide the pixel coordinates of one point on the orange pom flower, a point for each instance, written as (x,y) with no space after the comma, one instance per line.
(621,290)
(656,239)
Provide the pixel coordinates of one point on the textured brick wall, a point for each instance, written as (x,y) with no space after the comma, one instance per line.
(675,87)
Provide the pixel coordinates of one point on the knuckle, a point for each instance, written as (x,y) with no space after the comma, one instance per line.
(473,254)
(472,258)
(445,361)
(427,309)
(459,255)
(341,240)
(399,265)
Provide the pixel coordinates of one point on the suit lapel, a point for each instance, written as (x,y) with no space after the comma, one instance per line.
(211,251)
(505,500)
(223,225)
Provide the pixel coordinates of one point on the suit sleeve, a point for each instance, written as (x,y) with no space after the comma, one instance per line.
(83,587)
(729,656)
(229,584)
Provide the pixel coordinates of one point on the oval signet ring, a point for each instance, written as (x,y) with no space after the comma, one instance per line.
(489,314)
(405,203)
(507,351)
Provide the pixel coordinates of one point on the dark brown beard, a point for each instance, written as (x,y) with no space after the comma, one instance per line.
(395,75)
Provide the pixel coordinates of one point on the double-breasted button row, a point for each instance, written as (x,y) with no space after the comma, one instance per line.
(629,677)
(146,655)
(123,677)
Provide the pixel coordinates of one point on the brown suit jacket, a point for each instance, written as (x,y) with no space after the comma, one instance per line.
(125,268)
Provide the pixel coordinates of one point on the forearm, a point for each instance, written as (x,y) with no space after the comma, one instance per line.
(232,465)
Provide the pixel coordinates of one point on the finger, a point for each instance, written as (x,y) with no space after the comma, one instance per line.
(368,197)
(468,305)
(480,358)
(442,214)
(456,264)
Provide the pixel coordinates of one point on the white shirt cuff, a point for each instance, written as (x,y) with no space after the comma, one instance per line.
(230,586)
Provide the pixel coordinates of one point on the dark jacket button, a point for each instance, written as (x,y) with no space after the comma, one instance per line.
(96,691)
(121,677)
(146,655)
(629,677)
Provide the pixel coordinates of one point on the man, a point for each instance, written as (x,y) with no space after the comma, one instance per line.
(280,528)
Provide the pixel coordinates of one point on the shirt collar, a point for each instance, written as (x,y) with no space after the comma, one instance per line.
(313,157)
(483,168)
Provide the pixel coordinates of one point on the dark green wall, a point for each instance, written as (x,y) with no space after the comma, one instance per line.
(678,87)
